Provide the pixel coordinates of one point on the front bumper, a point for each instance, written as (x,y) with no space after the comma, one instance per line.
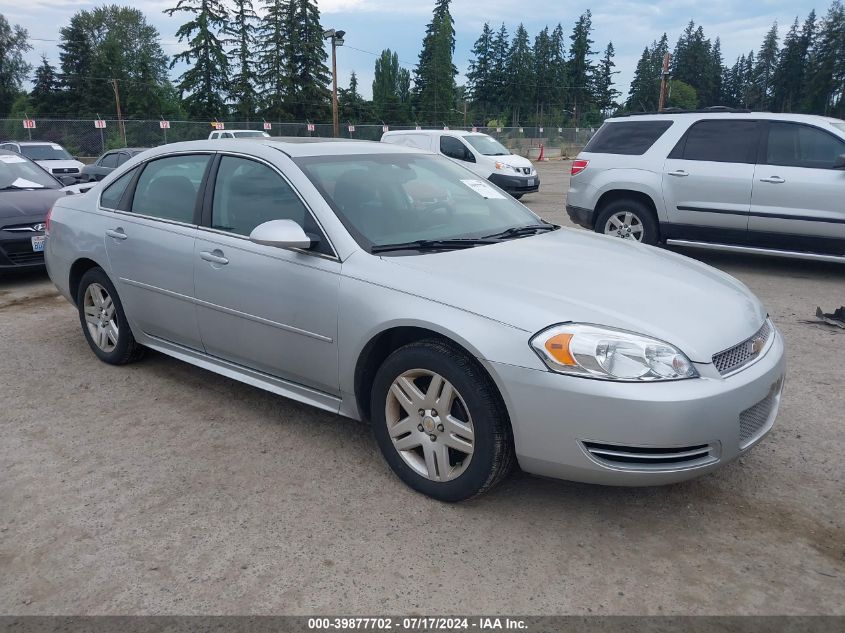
(16,251)
(558,421)
(516,185)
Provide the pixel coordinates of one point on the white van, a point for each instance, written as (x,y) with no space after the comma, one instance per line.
(478,152)
(238,134)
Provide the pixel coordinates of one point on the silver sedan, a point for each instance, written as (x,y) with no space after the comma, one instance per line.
(391,285)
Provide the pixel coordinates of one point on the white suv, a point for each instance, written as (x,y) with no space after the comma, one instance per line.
(736,181)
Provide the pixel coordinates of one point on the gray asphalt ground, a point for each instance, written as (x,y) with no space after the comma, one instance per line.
(159,488)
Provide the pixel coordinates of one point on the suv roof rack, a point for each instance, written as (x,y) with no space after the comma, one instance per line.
(710,110)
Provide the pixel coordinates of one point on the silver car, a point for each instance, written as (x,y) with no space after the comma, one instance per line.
(392,285)
(749,182)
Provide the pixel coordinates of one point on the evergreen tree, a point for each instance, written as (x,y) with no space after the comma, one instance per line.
(826,86)
(207,78)
(692,63)
(789,74)
(545,87)
(605,92)
(434,79)
(242,89)
(353,107)
(308,93)
(45,94)
(644,95)
(480,71)
(764,70)
(271,65)
(717,75)
(499,70)
(386,98)
(557,74)
(13,69)
(580,67)
(520,69)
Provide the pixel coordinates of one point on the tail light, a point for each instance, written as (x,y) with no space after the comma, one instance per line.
(578,166)
(47,221)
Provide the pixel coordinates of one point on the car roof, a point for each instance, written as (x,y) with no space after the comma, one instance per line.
(35,143)
(430,132)
(293,146)
(716,114)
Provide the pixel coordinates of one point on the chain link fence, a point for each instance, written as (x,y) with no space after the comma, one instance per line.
(82,139)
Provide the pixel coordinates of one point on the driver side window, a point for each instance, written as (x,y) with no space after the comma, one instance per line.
(454,148)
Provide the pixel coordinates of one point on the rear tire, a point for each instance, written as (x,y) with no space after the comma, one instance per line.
(103,321)
(628,219)
(457,452)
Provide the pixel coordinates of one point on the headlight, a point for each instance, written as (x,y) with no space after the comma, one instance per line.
(605,353)
(500,166)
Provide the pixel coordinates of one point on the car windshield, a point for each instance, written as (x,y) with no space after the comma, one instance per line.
(251,134)
(45,152)
(487,145)
(397,198)
(16,172)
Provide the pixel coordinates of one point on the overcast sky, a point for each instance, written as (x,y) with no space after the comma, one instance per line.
(373,25)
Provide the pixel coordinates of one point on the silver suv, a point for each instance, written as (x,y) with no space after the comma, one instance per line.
(727,180)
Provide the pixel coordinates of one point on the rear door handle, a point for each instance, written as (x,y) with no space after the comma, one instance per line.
(117,233)
(776,180)
(215,257)
(679,173)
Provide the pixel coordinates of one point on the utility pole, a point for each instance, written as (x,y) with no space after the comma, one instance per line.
(119,115)
(664,76)
(337,40)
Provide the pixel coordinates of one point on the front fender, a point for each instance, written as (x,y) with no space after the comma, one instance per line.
(642,181)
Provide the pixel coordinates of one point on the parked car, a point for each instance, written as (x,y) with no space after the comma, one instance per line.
(108,162)
(26,194)
(733,181)
(390,284)
(237,134)
(480,153)
(52,157)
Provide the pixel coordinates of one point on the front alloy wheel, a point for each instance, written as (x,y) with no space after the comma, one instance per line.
(101,317)
(429,425)
(440,421)
(626,225)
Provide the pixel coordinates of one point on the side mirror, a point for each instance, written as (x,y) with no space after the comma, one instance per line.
(839,163)
(281,234)
(67,181)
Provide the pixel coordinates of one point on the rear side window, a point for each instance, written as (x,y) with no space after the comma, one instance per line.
(796,145)
(632,138)
(168,187)
(110,199)
(109,160)
(727,141)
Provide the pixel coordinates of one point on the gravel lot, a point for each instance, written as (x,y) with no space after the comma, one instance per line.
(162,488)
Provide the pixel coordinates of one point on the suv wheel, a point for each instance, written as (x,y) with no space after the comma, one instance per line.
(629,220)
(439,422)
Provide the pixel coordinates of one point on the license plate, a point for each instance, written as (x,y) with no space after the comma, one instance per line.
(530,182)
(38,243)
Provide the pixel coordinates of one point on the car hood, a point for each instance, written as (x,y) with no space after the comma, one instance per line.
(571,275)
(50,165)
(515,161)
(15,205)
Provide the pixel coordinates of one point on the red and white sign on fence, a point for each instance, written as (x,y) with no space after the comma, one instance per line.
(100,124)
(498,130)
(474,129)
(29,124)
(311,127)
(164,125)
(385,128)
(446,128)
(268,126)
(351,129)
(541,130)
(218,125)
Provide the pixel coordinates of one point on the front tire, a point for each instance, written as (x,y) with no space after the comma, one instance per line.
(439,421)
(630,220)
(103,320)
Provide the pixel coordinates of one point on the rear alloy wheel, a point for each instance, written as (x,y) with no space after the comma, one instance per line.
(439,421)
(103,320)
(629,220)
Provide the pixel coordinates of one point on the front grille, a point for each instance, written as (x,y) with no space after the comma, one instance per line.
(26,258)
(650,457)
(756,419)
(744,353)
(66,170)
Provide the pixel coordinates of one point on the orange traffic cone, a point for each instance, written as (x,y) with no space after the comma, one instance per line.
(542,155)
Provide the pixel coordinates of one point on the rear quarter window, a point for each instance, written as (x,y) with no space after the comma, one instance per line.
(631,138)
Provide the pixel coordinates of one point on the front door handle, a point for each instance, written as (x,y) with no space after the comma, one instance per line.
(775,180)
(679,173)
(117,233)
(215,257)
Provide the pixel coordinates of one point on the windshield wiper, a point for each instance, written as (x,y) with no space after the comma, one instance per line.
(518,231)
(433,245)
(19,188)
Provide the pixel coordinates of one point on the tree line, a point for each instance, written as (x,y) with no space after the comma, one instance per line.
(239,65)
